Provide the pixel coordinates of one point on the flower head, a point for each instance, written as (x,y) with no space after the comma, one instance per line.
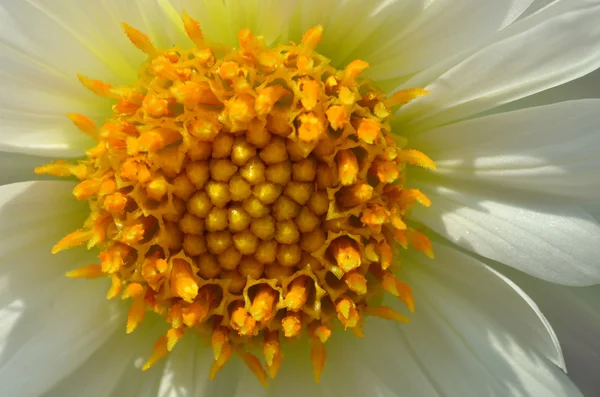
(257,180)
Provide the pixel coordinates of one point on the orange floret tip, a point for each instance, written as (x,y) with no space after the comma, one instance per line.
(174,335)
(74,239)
(139,39)
(218,364)
(386,313)
(98,87)
(253,363)
(219,341)
(272,352)
(115,287)
(133,290)
(90,271)
(192,28)
(84,124)
(420,242)
(403,97)
(311,39)
(353,70)
(160,352)
(318,355)
(136,314)
(61,168)
(414,157)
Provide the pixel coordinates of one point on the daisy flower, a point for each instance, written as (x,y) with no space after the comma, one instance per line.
(290,198)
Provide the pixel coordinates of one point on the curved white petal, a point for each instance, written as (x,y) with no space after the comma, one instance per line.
(552,241)
(45,44)
(552,149)
(45,318)
(554,46)
(575,315)
(115,367)
(584,87)
(443,29)
(17,167)
(475,333)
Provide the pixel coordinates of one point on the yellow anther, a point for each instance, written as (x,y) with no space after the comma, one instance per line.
(243,322)
(297,294)
(337,116)
(352,71)
(310,93)
(346,253)
(356,282)
(403,97)
(311,128)
(347,312)
(368,130)
(267,97)
(183,283)
(90,271)
(292,324)
(263,305)
(139,39)
(347,167)
(359,193)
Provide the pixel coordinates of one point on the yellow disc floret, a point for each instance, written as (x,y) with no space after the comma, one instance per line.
(252,194)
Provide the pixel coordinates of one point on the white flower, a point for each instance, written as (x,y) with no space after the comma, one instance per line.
(516,187)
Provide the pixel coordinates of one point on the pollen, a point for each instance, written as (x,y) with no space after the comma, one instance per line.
(251,196)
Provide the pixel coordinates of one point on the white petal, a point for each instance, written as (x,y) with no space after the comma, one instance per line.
(17,167)
(222,20)
(45,45)
(549,48)
(477,334)
(552,241)
(575,315)
(45,317)
(433,35)
(552,149)
(115,368)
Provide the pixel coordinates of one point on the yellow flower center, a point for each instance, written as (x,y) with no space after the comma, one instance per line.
(251,194)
